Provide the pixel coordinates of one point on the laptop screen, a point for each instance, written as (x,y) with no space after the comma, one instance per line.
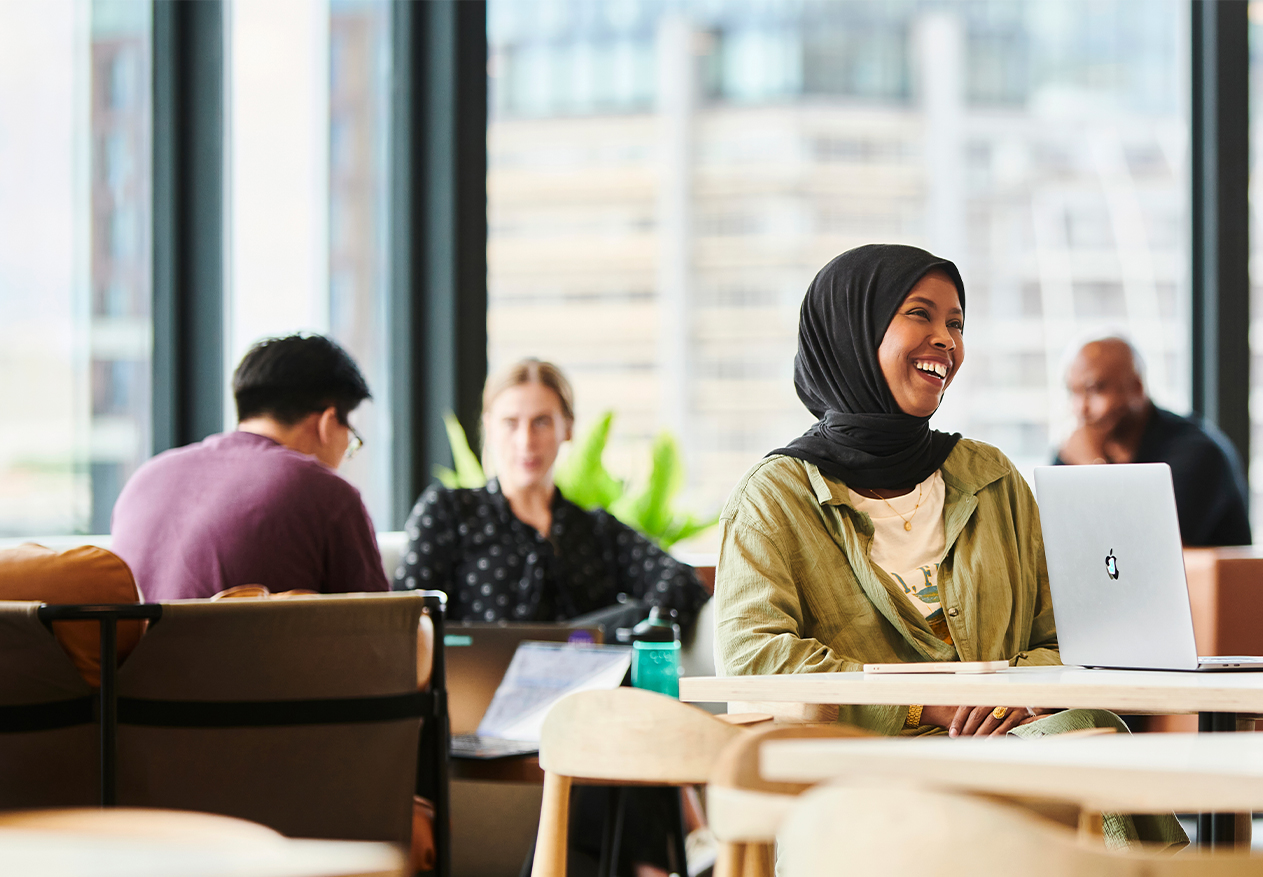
(542,674)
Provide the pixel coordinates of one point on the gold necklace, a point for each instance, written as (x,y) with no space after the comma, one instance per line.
(907,522)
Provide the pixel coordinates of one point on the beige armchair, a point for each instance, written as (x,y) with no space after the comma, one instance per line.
(300,714)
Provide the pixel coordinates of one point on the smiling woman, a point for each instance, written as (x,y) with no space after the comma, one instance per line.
(873,538)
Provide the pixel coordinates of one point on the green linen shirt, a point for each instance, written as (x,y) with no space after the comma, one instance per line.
(796,592)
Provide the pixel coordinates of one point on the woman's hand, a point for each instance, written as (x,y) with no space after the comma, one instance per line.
(979,721)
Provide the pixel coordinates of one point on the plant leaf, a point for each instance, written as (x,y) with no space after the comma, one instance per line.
(649,509)
(468,469)
(582,476)
(686,527)
(447,477)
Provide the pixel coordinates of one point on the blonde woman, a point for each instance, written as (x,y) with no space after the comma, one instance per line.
(517,550)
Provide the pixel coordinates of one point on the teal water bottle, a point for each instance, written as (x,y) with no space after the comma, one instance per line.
(656,653)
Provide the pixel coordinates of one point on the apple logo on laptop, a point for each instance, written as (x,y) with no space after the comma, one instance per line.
(1111,565)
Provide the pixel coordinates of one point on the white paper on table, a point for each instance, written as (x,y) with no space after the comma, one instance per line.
(541,674)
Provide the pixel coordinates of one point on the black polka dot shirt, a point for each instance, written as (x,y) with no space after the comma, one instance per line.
(494,567)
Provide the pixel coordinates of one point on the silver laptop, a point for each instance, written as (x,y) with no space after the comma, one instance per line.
(1116,569)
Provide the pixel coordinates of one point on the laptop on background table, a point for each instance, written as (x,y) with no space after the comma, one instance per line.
(1116,569)
(478,653)
(540,674)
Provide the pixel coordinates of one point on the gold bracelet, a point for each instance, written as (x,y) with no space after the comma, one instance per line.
(914,716)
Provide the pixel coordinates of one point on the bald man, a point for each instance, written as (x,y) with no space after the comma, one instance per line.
(1117,423)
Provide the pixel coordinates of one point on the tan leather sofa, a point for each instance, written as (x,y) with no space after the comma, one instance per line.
(302,714)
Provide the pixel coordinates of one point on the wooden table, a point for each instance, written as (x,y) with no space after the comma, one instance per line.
(1148,773)
(26,853)
(1123,691)
(512,769)
(1218,698)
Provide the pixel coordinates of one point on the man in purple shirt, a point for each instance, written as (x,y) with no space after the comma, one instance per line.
(262,505)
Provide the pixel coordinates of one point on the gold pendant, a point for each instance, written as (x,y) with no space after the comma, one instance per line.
(907,525)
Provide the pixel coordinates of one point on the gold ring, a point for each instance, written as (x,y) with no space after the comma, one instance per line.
(998,712)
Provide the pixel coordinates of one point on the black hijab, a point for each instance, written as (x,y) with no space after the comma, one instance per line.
(863,438)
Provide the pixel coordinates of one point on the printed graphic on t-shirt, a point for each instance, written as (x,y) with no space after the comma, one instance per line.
(923,591)
(923,586)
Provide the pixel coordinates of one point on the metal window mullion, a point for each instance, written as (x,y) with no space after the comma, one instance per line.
(1220,246)
(439,233)
(188,150)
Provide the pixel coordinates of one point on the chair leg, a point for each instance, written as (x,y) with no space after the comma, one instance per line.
(612,838)
(759,860)
(1091,826)
(1245,830)
(554,818)
(677,832)
(729,861)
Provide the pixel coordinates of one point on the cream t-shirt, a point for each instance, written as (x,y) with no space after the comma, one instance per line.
(910,556)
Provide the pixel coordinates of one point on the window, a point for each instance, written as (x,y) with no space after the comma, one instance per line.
(308,87)
(75,259)
(1041,146)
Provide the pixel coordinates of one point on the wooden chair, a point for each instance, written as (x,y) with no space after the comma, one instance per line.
(901,830)
(141,822)
(621,737)
(150,842)
(743,809)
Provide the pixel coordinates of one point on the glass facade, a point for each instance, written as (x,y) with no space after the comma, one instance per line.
(665,179)
(307,209)
(75,256)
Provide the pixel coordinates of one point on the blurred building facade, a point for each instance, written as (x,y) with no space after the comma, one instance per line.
(121,256)
(76,226)
(666,178)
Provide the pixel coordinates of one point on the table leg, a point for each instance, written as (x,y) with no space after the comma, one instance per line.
(1216,829)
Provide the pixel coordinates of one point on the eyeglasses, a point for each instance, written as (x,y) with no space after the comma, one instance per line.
(353,446)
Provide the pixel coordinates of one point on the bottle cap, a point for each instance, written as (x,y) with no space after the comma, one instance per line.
(659,627)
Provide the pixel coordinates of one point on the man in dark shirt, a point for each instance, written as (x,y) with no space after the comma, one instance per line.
(261,505)
(1117,423)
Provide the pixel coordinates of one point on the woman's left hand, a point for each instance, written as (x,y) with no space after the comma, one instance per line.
(986,721)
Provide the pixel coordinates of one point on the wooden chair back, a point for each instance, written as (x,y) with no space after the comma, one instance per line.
(630,735)
(612,737)
(900,830)
(138,822)
(743,809)
(738,765)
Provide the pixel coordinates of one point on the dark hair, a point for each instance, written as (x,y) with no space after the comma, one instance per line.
(288,378)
